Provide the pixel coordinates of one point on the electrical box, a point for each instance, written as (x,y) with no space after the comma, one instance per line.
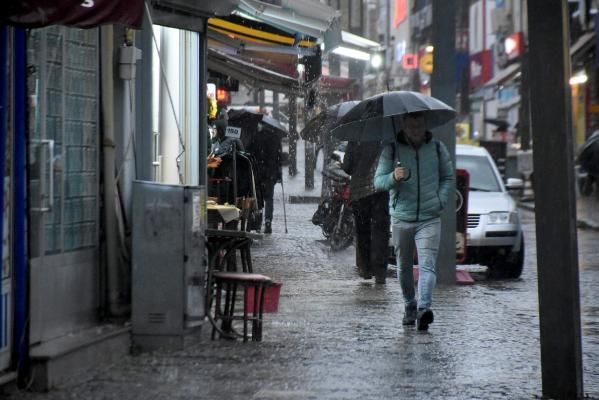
(168,264)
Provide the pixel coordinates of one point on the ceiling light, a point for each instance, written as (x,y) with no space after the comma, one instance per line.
(352,53)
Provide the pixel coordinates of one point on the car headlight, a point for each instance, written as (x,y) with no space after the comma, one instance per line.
(503,218)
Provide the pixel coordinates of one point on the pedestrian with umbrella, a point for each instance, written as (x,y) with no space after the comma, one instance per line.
(267,150)
(369,208)
(418,173)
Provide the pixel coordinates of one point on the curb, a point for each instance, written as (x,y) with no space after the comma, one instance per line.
(580,223)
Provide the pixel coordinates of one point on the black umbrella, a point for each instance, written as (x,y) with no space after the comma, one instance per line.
(501,124)
(248,121)
(372,119)
(589,155)
(325,120)
(273,125)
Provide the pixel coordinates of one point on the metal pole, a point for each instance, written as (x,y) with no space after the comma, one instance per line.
(284,210)
(292,135)
(21,338)
(443,87)
(235,173)
(203,142)
(3,135)
(555,208)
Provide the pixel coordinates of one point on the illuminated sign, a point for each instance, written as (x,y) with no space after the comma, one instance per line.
(513,45)
(222,95)
(480,68)
(409,61)
(426,63)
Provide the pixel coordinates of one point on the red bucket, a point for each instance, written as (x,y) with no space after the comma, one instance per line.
(271,298)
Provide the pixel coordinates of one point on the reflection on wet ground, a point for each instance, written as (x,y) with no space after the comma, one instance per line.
(339,337)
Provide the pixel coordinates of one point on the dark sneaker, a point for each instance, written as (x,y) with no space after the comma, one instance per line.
(364,272)
(410,315)
(267,227)
(381,276)
(424,319)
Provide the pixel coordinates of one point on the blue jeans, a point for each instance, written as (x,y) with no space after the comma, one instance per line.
(426,236)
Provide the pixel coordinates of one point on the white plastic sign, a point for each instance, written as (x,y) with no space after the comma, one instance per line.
(233,132)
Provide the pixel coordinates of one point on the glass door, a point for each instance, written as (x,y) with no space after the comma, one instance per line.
(63,179)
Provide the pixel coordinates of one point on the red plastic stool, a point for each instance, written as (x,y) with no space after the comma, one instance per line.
(229,282)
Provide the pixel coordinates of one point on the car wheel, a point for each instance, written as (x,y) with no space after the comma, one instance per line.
(509,266)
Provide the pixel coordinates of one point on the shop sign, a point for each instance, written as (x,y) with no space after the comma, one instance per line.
(426,63)
(480,68)
(509,48)
(233,132)
(409,61)
(422,18)
(79,13)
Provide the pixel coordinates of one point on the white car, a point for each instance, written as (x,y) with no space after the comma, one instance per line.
(494,235)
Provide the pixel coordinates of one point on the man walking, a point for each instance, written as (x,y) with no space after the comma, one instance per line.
(370,209)
(418,172)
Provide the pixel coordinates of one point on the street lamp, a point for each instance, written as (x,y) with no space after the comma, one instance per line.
(376,60)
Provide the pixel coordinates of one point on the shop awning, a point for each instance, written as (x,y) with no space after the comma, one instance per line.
(581,47)
(245,35)
(504,75)
(251,74)
(304,17)
(262,45)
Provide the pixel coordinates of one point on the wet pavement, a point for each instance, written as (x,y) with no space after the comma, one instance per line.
(339,337)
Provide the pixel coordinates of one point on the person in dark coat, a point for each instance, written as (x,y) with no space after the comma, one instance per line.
(266,149)
(370,208)
(221,144)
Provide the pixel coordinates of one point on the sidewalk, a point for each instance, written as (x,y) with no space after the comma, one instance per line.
(339,337)
(587,211)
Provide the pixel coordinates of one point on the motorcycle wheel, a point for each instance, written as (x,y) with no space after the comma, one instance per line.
(343,233)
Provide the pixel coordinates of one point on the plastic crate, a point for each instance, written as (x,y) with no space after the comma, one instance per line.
(271,298)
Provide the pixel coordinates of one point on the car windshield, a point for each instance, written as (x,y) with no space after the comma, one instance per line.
(482,176)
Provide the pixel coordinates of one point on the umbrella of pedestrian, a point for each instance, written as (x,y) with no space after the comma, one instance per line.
(372,119)
(501,124)
(589,155)
(323,122)
(273,125)
(248,122)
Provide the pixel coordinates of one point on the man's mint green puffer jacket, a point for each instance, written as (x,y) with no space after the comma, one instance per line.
(424,193)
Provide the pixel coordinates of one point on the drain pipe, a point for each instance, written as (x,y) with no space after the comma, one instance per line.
(21,339)
(111,297)
(128,56)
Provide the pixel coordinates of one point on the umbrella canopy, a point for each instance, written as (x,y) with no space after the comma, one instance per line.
(325,120)
(501,124)
(249,121)
(589,155)
(372,119)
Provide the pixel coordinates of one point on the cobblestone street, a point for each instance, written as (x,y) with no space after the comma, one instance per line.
(339,337)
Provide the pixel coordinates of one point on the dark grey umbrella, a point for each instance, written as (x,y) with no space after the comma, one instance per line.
(248,122)
(589,155)
(372,119)
(501,124)
(273,125)
(322,123)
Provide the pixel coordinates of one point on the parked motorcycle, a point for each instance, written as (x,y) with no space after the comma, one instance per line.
(334,213)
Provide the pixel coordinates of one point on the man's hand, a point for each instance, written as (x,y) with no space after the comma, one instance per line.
(400,173)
